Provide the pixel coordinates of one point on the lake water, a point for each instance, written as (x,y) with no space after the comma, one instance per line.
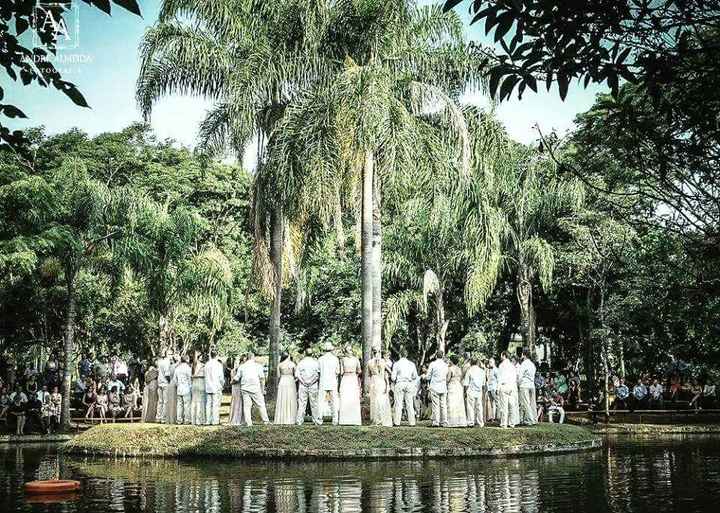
(669,474)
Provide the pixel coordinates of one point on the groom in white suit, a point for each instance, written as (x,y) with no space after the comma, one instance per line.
(329,372)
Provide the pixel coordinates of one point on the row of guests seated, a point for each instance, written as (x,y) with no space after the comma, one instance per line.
(40,411)
(111,401)
(654,396)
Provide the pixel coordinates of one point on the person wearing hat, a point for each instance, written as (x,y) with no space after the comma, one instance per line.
(329,372)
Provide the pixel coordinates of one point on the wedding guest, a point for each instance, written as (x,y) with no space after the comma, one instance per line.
(164,377)
(150,395)
(526,387)
(308,375)
(18,410)
(214,382)
(131,402)
(621,395)
(90,402)
(640,393)
(455,395)
(380,413)
(556,405)
(252,384)
(286,397)
(507,384)
(405,377)
(437,377)
(236,401)
(197,405)
(171,393)
(491,398)
(328,384)
(351,369)
(474,382)
(656,394)
(183,381)
(101,403)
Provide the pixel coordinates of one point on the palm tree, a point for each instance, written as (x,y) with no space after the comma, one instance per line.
(368,129)
(250,58)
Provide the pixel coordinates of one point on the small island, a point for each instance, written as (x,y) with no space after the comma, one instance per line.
(327,442)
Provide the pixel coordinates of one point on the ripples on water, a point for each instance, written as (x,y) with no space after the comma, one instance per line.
(632,475)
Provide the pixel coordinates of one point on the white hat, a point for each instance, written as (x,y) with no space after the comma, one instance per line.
(328,346)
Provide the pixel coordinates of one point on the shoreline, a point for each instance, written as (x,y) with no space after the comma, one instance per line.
(328,442)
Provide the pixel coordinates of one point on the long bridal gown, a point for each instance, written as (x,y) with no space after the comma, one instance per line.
(350,392)
(456,398)
(236,401)
(380,413)
(286,403)
(150,395)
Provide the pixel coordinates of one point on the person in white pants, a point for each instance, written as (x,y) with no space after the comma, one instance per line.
(507,386)
(307,373)
(437,378)
(214,381)
(329,372)
(526,387)
(164,377)
(183,380)
(474,382)
(251,376)
(404,375)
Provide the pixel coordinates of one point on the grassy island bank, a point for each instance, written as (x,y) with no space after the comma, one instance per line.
(327,442)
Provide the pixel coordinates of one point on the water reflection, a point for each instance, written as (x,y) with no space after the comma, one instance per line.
(630,476)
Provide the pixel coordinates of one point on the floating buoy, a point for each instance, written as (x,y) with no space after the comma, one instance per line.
(51,487)
(53,498)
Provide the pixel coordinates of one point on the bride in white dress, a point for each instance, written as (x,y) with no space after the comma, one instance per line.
(350,390)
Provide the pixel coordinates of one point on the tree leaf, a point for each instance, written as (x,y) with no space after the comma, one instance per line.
(73,93)
(450,4)
(563,82)
(133,7)
(12,112)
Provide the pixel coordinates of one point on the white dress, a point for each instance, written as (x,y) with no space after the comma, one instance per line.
(197,403)
(236,402)
(286,401)
(380,412)
(350,393)
(456,399)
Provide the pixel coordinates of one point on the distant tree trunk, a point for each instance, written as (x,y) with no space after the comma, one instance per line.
(69,351)
(377,268)
(366,254)
(442,324)
(509,327)
(164,333)
(276,257)
(527,308)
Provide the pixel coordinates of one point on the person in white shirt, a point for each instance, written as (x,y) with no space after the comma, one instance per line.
(507,384)
(183,380)
(307,374)
(252,383)
(437,378)
(214,381)
(474,381)
(164,377)
(404,375)
(329,372)
(656,395)
(491,399)
(526,387)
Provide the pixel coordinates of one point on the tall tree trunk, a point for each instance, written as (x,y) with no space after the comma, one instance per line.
(164,333)
(276,257)
(527,309)
(68,352)
(377,268)
(442,324)
(366,254)
(511,323)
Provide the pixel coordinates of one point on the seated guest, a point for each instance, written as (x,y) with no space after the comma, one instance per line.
(89,402)
(621,395)
(56,402)
(101,403)
(131,402)
(561,384)
(556,405)
(114,403)
(119,369)
(4,403)
(696,392)
(573,394)
(52,371)
(543,402)
(33,410)
(19,393)
(639,395)
(656,394)
(46,411)
(85,367)
(675,387)
(17,410)
(708,395)
(31,386)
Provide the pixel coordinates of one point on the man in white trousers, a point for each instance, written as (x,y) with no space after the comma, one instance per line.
(252,384)
(474,382)
(214,381)
(329,372)
(307,373)
(183,380)
(507,384)
(437,378)
(404,375)
(164,377)
(526,387)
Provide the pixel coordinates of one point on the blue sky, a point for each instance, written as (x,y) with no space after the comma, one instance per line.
(106,65)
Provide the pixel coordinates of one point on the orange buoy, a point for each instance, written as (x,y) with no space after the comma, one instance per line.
(51,487)
(53,498)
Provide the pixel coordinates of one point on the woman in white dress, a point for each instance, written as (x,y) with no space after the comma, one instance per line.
(455,396)
(197,402)
(286,399)
(171,395)
(380,413)
(236,401)
(350,390)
